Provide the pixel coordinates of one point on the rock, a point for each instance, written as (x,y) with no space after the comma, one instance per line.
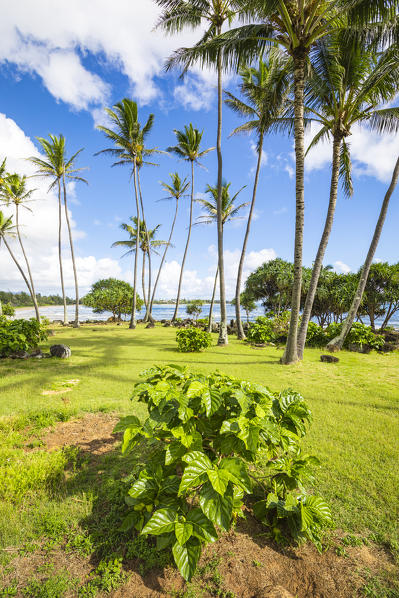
(388,347)
(359,348)
(329,359)
(19,355)
(57,322)
(46,356)
(163,321)
(166,324)
(37,354)
(150,325)
(62,351)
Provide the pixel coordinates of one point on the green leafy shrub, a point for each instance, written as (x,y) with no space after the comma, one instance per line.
(316,336)
(261,331)
(205,438)
(359,334)
(20,335)
(8,309)
(192,339)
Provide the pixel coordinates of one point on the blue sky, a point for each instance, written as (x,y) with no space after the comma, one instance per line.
(57,72)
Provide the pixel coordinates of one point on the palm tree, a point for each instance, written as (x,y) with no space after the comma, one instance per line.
(266,92)
(59,168)
(177,15)
(13,190)
(296,26)
(128,137)
(229,212)
(188,149)
(8,230)
(347,86)
(147,242)
(336,343)
(175,190)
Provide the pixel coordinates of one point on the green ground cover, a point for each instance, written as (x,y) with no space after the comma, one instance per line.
(355,432)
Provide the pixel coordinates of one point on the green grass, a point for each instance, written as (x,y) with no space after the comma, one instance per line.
(355,428)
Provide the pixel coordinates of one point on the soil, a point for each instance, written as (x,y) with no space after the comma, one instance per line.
(244,563)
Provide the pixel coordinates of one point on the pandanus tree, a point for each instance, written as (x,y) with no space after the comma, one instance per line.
(296,26)
(147,243)
(175,190)
(60,169)
(128,137)
(13,190)
(230,211)
(8,232)
(347,86)
(188,148)
(212,15)
(265,91)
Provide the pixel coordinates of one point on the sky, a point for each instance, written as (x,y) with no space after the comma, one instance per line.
(60,68)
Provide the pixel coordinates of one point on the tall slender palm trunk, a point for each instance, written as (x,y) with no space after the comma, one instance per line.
(307,310)
(18,265)
(187,244)
(337,342)
(60,252)
(133,322)
(223,338)
(148,315)
(76,323)
(240,329)
(210,317)
(143,285)
(290,353)
(163,257)
(32,288)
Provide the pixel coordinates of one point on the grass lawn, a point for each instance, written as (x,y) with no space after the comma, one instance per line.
(355,428)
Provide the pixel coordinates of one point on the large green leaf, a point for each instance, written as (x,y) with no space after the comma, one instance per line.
(165,540)
(129,437)
(126,422)
(195,470)
(217,508)
(170,485)
(175,450)
(219,480)
(161,522)
(143,487)
(195,389)
(314,512)
(238,472)
(183,531)
(187,556)
(212,400)
(202,527)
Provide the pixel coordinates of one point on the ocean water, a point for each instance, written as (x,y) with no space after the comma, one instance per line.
(160,312)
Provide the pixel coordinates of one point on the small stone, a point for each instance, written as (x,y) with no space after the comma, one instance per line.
(61,351)
(150,325)
(19,355)
(329,359)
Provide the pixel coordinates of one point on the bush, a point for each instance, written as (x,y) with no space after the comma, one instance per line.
(205,437)
(316,335)
(192,340)
(261,331)
(8,310)
(20,335)
(359,334)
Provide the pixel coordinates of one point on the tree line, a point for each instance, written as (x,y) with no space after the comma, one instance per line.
(331,62)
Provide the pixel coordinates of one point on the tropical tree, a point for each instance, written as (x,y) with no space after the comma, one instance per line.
(212,14)
(296,26)
(176,190)
(266,103)
(336,343)
(7,232)
(128,137)
(194,308)
(188,149)
(13,190)
(112,295)
(229,212)
(147,243)
(346,87)
(59,169)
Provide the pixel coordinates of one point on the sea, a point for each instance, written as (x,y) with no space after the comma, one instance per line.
(159,312)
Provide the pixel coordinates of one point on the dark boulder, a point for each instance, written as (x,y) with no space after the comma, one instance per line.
(359,348)
(61,351)
(19,355)
(150,325)
(329,359)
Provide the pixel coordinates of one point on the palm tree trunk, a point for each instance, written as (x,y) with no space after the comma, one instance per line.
(187,244)
(307,310)
(18,266)
(164,256)
(1,308)
(33,294)
(148,315)
(240,329)
(75,275)
(143,285)
(290,353)
(60,252)
(209,328)
(337,342)
(223,338)
(133,322)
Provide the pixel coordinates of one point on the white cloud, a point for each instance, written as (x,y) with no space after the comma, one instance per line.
(39,228)
(52,43)
(280,211)
(372,154)
(195,93)
(341,268)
